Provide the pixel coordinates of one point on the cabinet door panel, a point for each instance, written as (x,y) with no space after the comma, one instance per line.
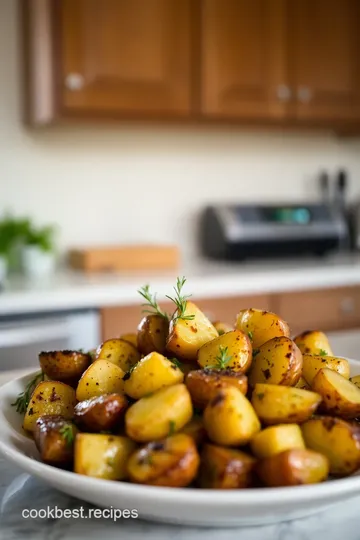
(243,54)
(323,44)
(127,56)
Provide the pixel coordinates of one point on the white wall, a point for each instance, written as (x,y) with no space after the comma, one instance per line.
(130,183)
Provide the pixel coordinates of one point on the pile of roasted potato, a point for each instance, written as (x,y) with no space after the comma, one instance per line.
(188,402)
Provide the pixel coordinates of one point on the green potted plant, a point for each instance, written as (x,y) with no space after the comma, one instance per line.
(38,251)
(10,232)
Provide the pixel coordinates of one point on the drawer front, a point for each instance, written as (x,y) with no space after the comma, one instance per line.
(119,320)
(327,309)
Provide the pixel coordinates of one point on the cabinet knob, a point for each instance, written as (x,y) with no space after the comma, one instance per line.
(304,94)
(74,81)
(283,92)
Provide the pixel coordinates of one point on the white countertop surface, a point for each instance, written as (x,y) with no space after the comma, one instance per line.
(74,290)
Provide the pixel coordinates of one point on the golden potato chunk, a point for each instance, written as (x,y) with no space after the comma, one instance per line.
(283,404)
(277,361)
(225,468)
(153,332)
(101,377)
(151,373)
(131,337)
(340,396)
(64,366)
(313,342)
(261,326)
(230,419)
(50,397)
(293,468)
(230,351)
(160,414)
(313,364)
(54,438)
(337,439)
(222,327)
(275,439)
(101,413)
(356,380)
(186,336)
(203,384)
(302,384)
(102,456)
(171,462)
(119,352)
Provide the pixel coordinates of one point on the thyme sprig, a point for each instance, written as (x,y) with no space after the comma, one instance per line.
(151,306)
(222,359)
(67,433)
(23,399)
(180,300)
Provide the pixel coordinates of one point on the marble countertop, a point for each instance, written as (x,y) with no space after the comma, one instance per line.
(19,491)
(74,290)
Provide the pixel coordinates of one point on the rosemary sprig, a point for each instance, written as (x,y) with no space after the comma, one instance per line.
(176,362)
(151,304)
(67,433)
(180,300)
(222,358)
(23,399)
(322,352)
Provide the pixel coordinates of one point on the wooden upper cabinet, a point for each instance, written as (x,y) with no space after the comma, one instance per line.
(131,57)
(323,51)
(244,59)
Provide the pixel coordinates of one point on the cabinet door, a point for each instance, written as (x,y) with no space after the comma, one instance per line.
(243,59)
(323,50)
(126,56)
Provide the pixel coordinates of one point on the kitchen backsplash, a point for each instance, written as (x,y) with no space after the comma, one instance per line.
(126,183)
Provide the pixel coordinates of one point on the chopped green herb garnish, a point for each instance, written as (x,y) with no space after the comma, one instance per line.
(222,358)
(67,433)
(176,362)
(180,300)
(23,399)
(251,335)
(322,352)
(260,395)
(255,352)
(151,304)
(172,427)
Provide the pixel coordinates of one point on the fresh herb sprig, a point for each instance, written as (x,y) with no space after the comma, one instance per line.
(222,359)
(322,352)
(151,306)
(67,433)
(180,300)
(23,399)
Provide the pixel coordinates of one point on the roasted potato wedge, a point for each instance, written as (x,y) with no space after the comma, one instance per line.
(336,439)
(313,364)
(222,328)
(64,366)
(119,352)
(153,332)
(187,336)
(293,468)
(172,462)
(277,361)
(275,439)
(283,404)
(261,326)
(102,456)
(225,468)
(231,350)
(54,438)
(195,429)
(313,342)
(340,396)
(160,414)
(302,384)
(151,373)
(203,384)
(50,398)
(100,413)
(230,419)
(356,380)
(131,337)
(101,377)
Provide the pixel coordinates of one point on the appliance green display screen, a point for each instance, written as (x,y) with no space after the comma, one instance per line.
(295,215)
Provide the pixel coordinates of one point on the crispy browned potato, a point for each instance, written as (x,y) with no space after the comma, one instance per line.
(54,438)
(313,363)
(313,342)
(225,468)
(261,325)
(101,413)
(101,377)
(50,397)
(277,361)
(337,439)
(293,468)
(186,336)
(222,327)
(119,352)
(195,429)
(231,350)
(64,366)
(230,419)
(153,332)
(102,456)
(172,462)
(203,384)
(340,396)
(276,404)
